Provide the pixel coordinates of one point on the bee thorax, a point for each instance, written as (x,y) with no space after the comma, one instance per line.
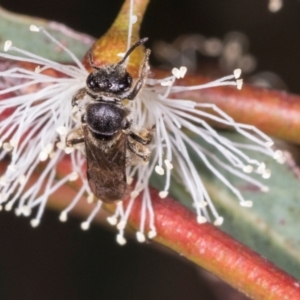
(105,119)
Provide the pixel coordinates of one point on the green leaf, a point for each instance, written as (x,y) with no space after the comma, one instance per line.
(271,227)
(15,27)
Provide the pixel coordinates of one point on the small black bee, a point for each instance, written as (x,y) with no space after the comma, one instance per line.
(105,133)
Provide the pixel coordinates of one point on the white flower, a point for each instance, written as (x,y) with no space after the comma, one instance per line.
(42,115)
(275,5)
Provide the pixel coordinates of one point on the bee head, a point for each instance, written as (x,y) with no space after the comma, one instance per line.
(109,79)
(113,79)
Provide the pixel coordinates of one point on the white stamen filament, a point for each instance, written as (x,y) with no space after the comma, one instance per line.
(86,225)
(42,116)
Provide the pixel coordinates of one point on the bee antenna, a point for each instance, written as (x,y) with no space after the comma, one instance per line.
(138,43)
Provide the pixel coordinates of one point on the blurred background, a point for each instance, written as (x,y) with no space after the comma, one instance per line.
(59,261)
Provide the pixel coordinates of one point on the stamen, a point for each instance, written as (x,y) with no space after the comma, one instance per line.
(86,225)
(121,225)
(62,130)
(133,19)
(91,198)
(14,142)
(140,237)
(168,164)
(219,221)
(73,176)
(8,206)
(201,219)
(166,83)
(275,5)
(239,84)
(49,148)
(64,214)
(12,168)
(269,144)
(7,147)
(282,159)
(134,194)
(22,179)
(237,73)
(159,170)
(35,223)
(265,189)
(69,150)
(266,174)
(278,154)
(26,210)
(179,73)
(163,194)
(61,145)
(3,181)
(200,204)
(129,180)
(261,168)
(130,23)
(7,45)
(63,217)
(182,71)
(112,220)
(121,240)
(43,155)
(37,69)
(152,234)
(247,203)
(33,120)
(248,169)
(34,28)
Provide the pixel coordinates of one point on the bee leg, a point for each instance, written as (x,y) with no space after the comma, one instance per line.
(78,96)
(144,137)
(142,77)
(75,137)
(139,150)
(141,139)
(137,143)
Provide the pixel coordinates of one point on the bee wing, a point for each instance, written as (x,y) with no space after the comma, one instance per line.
(106,168)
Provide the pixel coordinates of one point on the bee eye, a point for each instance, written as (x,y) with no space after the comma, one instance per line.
(125,124)
(91,83)
(107,84)
(128,79)
(126,82)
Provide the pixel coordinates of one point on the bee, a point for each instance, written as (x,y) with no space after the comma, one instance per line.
(105,134)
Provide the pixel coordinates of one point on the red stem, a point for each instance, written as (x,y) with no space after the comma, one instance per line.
(217,252)
(205,245)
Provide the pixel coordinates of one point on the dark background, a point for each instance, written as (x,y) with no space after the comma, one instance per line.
(274,37)
(59,261)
